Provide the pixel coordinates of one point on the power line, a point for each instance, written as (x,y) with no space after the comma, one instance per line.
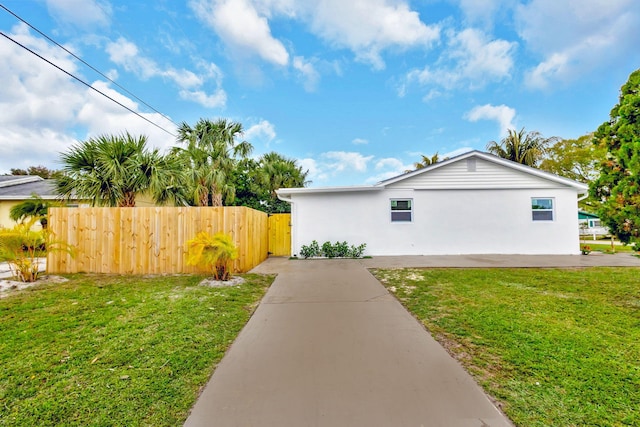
(87,84)
(85,63)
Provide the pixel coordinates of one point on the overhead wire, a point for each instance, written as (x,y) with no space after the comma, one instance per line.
(91,67)
(86,84)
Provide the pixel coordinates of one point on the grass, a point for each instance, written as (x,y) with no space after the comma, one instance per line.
(606,247)
(113,350)
(556,347)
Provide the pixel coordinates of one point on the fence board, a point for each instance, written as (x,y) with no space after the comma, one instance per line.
(150,240)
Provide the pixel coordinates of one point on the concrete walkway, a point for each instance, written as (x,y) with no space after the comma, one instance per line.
(329,346)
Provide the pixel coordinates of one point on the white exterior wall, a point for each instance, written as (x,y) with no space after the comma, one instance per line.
(445,222)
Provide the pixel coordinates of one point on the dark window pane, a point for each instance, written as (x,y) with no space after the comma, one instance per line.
(400,205)
(542,215)
(400,216)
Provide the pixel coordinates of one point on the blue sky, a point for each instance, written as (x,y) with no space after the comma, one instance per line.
(353,90)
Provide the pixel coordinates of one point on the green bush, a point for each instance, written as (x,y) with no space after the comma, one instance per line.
(357,251)
(329,250)
(310,251)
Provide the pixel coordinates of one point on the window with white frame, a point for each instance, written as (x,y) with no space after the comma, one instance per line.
(401,210)
(542,209)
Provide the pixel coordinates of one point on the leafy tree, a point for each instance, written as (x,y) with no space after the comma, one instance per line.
(211,152)
(527,148)
(256,182)
(34,207)
(114,170)
(576,159)
(40,171)
(618,186)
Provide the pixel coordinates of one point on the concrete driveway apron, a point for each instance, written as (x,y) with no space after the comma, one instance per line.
(329,346)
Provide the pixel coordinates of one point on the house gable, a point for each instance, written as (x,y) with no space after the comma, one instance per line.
(478,171)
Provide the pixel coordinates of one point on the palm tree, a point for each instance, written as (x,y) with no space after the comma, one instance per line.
(211,151)
(114,170)
(277,171)
(523,147)
(426,161)
(35,207)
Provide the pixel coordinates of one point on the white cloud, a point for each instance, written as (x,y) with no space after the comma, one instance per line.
(339,161)
(214,100)
(390,163)
(388,24)
(45,111)
(315,173)
(242,28)
(586,35)
(243,25)
(386,168)
(126,54)
(482,11)
(500,113)
(86,14)
(307,72)
(262,131)
(359,141)
(472,59)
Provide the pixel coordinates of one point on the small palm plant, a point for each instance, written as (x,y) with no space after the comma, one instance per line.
(34,207)
(217,251)
(21,247)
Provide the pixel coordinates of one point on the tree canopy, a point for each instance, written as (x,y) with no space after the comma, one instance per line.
(578,159)
(210,153)
(113,170)
(618,185)
(41,171)
(527,148)
(256,182)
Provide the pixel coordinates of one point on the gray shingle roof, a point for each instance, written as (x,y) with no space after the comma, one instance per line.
(20,187)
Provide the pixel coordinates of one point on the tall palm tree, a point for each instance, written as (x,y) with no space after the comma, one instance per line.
(211,150)
(113,170)
(527,148)
(34,207)
(277,171)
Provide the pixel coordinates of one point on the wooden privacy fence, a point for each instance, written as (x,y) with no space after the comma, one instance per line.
(150,240)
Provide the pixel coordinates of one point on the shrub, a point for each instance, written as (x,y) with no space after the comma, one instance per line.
(357,251)
(310,251)
(215,251)
(341,249)
(329,250)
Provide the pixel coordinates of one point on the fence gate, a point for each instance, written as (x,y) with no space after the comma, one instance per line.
(280,234)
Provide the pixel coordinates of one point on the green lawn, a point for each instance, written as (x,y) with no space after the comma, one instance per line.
(113,350)
(556,347)
(606,247)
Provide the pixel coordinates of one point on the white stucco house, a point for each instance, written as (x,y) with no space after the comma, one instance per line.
(475,203)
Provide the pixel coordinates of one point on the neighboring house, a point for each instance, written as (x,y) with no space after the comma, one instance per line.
(18,188)
(590,225)
(475,203)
